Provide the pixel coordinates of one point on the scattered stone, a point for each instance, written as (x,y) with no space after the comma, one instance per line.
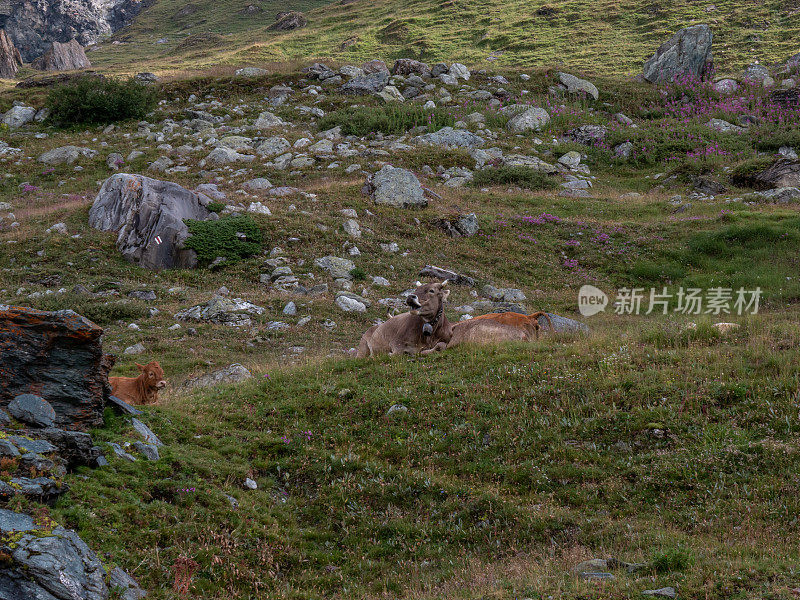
(250,484)
(338,268)
(232,374)
(137,348)
(267,120)
(533,119)
(448,137)
(65,155)
(395,187)
(145,432)
(439,273)
(397,410)
(665,592)
(251,72)
(576,85)
(366,85)
(149,451)
(348,304)
(225,311)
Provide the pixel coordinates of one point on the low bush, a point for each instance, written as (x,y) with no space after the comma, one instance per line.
(232,238)
(524,177)
(391,118)
(90,100)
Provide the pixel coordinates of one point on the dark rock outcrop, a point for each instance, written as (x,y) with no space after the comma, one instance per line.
(409,66)
(287,21)
(10,59)
(688,52)
(148,216)
(58,356)
(63,57)
(34,24)
(55,564)
(783,173)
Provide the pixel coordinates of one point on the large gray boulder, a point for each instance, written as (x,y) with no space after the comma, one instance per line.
(148,216)
(18,116)
(32,409)
(338,268)
(576,85)
(63,57)
(396,187)
(688,52)
(533,119)
(366,85)
(452,138)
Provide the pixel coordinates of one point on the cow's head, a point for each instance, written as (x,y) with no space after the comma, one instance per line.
(153,375)
(427,300)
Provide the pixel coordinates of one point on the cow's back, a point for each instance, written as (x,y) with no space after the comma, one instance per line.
(490,331)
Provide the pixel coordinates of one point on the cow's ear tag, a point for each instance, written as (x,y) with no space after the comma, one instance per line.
(427,329)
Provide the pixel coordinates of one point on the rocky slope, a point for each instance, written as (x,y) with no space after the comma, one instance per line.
(34,24)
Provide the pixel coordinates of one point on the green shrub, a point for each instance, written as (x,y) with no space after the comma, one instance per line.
(215,207)
(525,177)
(358,274)
(391,118)
(90,100)
(223,237)
(675,559)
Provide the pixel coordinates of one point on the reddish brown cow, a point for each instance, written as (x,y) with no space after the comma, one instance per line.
(142,389)
(498,327)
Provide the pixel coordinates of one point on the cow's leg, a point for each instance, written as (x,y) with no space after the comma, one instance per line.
(437,348)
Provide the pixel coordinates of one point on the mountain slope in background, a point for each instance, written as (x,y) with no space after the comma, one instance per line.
(607,36)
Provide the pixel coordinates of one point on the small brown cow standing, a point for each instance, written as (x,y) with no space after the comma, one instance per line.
(142,389)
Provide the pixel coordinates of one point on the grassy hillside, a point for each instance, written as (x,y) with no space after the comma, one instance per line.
(648,441)
(603,37)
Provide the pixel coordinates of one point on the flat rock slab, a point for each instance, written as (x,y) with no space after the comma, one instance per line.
(11,521)
(124,406)
(32,409)
(31,445)
(235,373)
(146,433)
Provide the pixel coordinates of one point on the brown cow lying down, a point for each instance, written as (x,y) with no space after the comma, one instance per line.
(424,329)
(142,389)
(498,327)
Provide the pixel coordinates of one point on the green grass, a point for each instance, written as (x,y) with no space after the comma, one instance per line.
(615,37)
(524,177)
(391,118)
(565,447)
(650,440)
